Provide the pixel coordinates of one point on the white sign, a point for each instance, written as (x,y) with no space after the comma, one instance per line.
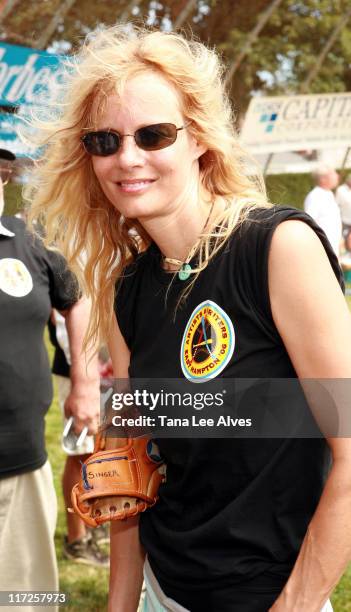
(295,123)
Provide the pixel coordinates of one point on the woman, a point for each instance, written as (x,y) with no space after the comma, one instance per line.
(144,171)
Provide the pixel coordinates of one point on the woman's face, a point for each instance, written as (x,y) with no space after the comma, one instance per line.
(145,184)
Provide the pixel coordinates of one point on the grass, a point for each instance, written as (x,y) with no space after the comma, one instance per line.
(86,586)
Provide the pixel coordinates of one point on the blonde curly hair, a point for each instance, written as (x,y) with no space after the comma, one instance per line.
(64,194)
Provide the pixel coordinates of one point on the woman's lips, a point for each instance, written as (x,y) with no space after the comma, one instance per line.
(135,185)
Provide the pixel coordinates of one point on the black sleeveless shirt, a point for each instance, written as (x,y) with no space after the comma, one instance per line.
(233,513)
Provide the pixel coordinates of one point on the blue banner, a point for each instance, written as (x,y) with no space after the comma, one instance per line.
(28,80)
(27,76)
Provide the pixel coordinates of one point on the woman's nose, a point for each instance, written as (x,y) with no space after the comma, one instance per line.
(129,154)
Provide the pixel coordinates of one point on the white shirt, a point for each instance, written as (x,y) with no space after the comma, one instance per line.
(321,205)
(4,231)
(343,198)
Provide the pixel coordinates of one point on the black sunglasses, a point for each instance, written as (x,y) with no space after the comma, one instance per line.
(148,138)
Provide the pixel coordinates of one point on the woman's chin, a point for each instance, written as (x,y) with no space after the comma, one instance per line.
(136,210)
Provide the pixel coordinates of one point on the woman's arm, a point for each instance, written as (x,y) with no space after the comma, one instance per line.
(127,555)
(119,352)
(313,320)
(83,401)
(126,566)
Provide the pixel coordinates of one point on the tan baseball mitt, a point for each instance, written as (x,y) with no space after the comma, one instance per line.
(118,482)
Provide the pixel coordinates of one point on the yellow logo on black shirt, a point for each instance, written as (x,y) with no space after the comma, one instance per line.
(15,278)
(208,342)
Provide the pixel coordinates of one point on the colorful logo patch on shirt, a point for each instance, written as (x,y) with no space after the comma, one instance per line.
(208,342)
(15,278)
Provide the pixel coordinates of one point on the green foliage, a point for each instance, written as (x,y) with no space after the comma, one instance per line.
(287,48)
(341,599)
(13,199)
(30,19)
(289,189)
(278,62)
(86,586)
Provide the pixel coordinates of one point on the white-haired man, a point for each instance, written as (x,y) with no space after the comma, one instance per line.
(343,198)
(321,204)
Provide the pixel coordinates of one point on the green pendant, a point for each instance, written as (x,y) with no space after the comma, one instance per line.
(184,272)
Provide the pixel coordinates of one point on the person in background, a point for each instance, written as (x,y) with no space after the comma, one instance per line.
(320,204)
(343,198)
(81,544)
(33,280)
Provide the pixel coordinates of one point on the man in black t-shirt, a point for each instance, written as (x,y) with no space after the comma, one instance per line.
(33,280)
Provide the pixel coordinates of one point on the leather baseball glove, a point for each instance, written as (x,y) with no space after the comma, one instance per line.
(118,482)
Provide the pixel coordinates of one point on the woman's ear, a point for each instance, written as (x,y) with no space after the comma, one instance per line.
(201,149)
(197,147)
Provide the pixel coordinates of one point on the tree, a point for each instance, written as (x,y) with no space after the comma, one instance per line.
(272,56)
(57,18)
(285,51)
(325,50)
(31,19)
(6,6)
(251,38)
(184,14)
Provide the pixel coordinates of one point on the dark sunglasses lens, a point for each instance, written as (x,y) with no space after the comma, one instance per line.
(101,143)
(154,137)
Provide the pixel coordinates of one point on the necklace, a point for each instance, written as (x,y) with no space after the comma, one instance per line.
(185,268)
